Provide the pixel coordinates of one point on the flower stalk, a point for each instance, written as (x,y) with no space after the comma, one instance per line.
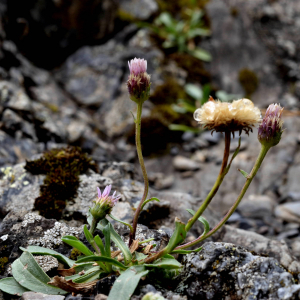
(142,164)
(222,173)
(259,160)
(138,85)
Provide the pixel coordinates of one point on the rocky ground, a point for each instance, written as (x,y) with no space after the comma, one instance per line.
(60,87)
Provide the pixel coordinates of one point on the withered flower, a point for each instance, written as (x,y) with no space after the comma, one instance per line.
(224,116)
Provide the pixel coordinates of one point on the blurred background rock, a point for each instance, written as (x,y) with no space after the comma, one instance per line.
(63,72)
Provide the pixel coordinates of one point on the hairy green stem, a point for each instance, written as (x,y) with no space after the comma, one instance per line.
(259,160)
(93,226)
(145,176)
(216,186)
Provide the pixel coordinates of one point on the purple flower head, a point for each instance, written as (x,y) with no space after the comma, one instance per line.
(270,129)
(138,82)
(137,66)
(104,203)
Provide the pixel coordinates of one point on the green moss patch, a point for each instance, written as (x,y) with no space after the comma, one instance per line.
(249,81)
(62,168)
(3,262)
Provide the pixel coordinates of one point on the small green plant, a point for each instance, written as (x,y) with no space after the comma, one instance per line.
(181,34)
(136,260)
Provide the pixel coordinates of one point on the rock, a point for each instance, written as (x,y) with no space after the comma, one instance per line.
(16,150)
(161,181)
(261,245)
(46,262)
(182,163)
(14,97)
(100,297)
(227,70)
(143,233)
(288,212)
(211,138)
(226,271)
(86,193)
(257,207)
(40,296)
(141,10)
(57,29)
(18,189)
(19,229)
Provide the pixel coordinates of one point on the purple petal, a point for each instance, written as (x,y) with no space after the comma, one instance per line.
(99,192)
(106,191)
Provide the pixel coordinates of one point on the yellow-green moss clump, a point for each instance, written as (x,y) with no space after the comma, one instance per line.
(194,67)
(176,6)
(249,81)
(3,262)
(169,92)
(62,168)
(75,253)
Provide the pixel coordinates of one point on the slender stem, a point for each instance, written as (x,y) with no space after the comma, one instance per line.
(141,161)
(216,186)
(93,226)
(259,160)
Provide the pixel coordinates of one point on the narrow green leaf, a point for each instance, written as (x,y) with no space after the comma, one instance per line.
(139,256)
(83,266)
(30,275)
(44,251)
(244,173)
(88,277)
(106,232)
(102,259)
(194,91)
(186,251)
(180,127)
(90,239)
(120,221)
(127,282)
(201,54)
(10,286)
(146,241)
(168,256)
(88,235)
(149,200)
(202,220)
(88,271)
(117,240)
(99,243)
(178,235)
(166,19)
(165,263)
(74,242)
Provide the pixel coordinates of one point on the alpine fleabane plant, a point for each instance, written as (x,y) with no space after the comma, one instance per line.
(138,259)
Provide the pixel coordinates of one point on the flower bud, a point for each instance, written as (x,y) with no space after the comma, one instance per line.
(104,204)
(138,82)
(270,129)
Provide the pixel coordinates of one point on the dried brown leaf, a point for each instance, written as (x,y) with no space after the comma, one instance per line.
(147,249)
(134,246)
(66,272)
(70,286)
(115,253)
